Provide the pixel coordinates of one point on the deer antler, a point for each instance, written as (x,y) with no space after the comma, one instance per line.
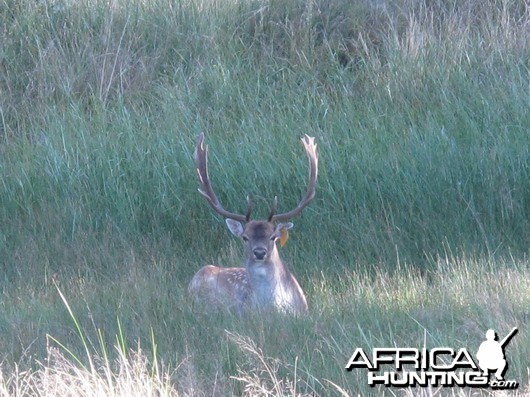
(201,161)
(312,156)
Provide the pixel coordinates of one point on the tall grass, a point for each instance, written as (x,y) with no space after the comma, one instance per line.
(420,111)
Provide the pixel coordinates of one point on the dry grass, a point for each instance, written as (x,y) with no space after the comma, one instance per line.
(131,375)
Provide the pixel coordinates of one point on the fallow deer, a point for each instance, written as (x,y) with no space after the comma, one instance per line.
(264,282)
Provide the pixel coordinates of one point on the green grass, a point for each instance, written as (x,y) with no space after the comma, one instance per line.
(222,355)
(418,235)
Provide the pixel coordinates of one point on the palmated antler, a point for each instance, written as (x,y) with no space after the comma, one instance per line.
(201,161)
(312,156)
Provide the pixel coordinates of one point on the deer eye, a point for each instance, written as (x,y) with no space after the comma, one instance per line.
(245,238)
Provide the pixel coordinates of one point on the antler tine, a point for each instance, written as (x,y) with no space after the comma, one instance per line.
(249,209)
(201,161)
(273,208)
(312,156)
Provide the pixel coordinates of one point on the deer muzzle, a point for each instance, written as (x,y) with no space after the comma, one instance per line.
(259,253)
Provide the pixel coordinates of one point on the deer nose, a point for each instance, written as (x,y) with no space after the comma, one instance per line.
(259,253)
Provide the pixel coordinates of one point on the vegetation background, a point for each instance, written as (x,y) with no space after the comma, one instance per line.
(419,234)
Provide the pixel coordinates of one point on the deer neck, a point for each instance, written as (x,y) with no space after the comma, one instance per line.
(266,276)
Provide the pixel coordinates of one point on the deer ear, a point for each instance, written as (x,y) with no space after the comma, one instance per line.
(281,232)
(286,226)
(235,227)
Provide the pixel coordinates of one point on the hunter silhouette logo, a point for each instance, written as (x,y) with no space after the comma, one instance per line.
(440,366)
(490,354)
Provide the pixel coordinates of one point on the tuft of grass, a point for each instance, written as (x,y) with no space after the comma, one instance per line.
(130,375)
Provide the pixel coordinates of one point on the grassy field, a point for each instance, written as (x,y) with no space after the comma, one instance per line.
(419,235)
